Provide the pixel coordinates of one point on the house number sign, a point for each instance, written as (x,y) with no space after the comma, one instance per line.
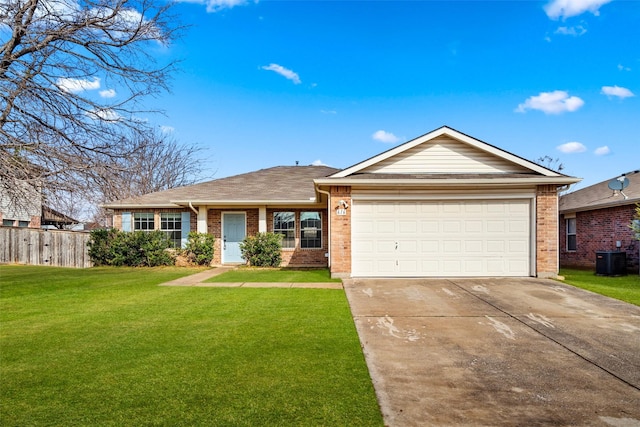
(341,211)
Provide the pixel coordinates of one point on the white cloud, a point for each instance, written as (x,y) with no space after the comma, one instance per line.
(328,111)
(567,8)
(555,102)
(623,68)
(77,85)
(572,147)
(318,163)
(285,72)
(214,6)
(105,114)
(107,93)
(384,136)
(576,31)
(620,92)
(602,151)
(167,129)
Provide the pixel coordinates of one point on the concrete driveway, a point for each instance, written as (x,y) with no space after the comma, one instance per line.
(525,352)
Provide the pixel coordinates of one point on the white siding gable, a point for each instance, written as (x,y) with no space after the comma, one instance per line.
(444,154)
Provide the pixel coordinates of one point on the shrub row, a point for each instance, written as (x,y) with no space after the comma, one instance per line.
(146,248)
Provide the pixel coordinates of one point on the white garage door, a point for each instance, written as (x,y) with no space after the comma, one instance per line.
(441,238)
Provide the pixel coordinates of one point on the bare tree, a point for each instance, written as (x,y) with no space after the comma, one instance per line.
(160,163)
(73,77)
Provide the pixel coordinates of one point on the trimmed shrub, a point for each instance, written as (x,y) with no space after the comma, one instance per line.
(262,250)
(200,248)
(136,249)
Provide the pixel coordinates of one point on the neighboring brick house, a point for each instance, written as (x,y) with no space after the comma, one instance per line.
(597,218)
(443,204)
(22,209)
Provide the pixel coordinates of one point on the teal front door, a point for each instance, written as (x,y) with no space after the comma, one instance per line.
(233,232)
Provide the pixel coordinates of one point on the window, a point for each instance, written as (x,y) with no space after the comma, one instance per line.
(285,223)
(8,222)
(310,230)
(23,223)
(143,222)
(571,234)
(171,225)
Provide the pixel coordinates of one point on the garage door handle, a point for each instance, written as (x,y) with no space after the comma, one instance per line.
(396,246)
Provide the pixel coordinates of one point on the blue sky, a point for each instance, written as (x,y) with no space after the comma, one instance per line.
(334,82)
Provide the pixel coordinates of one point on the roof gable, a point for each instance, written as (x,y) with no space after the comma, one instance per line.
(445,150)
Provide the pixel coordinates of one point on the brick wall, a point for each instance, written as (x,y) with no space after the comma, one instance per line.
(290,257)
(598,230)
(340,233)
(546,231)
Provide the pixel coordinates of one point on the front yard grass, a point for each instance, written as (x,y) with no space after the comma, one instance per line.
(625,288)
(108,347)
(273,275)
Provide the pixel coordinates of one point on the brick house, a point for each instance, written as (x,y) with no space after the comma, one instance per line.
(23,209)
(597,218)
(442,204)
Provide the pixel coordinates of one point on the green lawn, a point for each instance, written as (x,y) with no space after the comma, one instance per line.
(107,347)
(270,275)
(625,288)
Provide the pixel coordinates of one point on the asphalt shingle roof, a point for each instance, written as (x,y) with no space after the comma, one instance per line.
(600,195)
(280,183)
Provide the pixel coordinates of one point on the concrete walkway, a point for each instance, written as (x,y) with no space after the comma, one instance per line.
(198,280)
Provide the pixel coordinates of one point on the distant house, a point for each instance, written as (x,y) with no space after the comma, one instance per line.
(597,218)
(51,218)
(22,208)
(443,204)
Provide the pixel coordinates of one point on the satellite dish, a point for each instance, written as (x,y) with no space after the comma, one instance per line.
(619,184)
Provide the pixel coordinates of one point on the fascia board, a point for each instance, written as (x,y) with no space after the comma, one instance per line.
(602,206)
(561,180)
(140,205)
(245,202)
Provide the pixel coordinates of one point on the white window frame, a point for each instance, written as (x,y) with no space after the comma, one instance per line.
(138,220)
(176,219)
(285,231)
(570,234)
(316,230)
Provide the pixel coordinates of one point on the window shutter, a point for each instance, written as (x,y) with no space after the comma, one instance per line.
(126,221)
(186,227)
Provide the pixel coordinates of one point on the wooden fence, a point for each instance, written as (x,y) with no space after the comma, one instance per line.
(44,247)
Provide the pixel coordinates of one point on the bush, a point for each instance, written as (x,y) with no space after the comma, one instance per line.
(200,248)
(262,250)
(100,246)
(137,249)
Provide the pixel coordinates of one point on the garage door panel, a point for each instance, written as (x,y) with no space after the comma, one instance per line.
(441,238)
(385,227)
(451,226)
(473,226)
(429,246)
(429,226)
(473,246)
(408,226)
(495,246)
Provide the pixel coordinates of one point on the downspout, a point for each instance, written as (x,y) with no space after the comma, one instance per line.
(193,209)
(328,222)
